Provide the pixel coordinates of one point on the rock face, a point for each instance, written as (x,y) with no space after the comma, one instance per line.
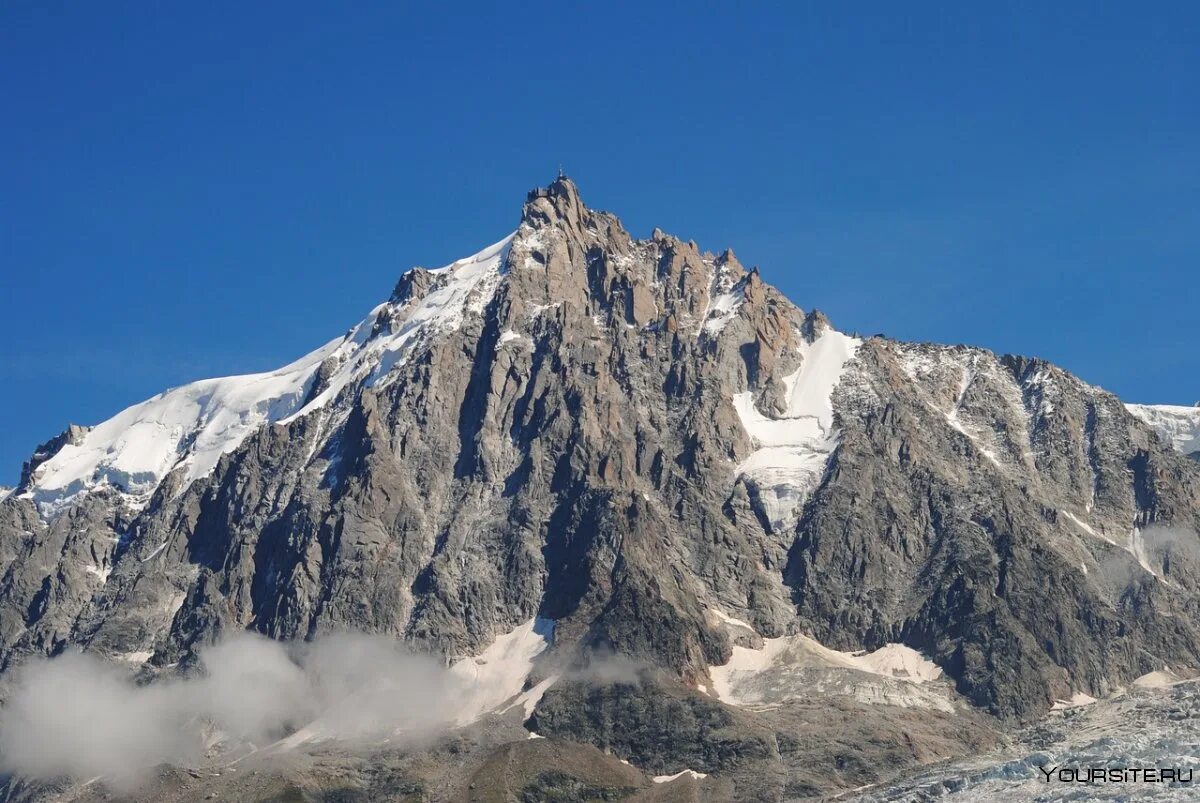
(801,750)
(634,439)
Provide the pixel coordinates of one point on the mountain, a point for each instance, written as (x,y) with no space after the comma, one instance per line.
(623,450)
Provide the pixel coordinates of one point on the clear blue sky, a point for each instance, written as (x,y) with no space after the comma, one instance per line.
(201,189)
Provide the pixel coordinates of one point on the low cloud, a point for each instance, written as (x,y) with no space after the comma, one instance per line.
(1166,551)
(604,667)
(81,716)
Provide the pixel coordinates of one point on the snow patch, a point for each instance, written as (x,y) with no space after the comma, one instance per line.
(774,673)
(793,449)
(729,620)
(536,310)
(528,700)
(507,336)
(155,553)
(892,660)
(1135,545)
(953,417)
(725,296)
(498,674)
(1083,525)
(722,309)
(898,661)
(1077,700)
(1038,385)
(688,773)
(1159,679)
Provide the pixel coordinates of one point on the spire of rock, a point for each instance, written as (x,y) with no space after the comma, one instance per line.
(413,284)
(71,436)
(559,201)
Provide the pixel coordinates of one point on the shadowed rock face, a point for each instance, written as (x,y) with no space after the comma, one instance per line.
(623,435)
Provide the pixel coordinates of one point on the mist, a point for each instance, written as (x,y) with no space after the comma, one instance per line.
(82,716)
(1168,553)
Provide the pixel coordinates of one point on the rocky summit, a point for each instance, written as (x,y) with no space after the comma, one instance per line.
(704,543)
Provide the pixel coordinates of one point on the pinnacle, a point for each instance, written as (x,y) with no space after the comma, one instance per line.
(559,200)
(561,187)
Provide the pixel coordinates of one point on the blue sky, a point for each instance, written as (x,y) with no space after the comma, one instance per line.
(190,190)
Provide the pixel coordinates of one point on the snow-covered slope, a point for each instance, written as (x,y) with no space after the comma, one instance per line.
(190,427)
(1179,425)
(792,450)
(798,667)
(498,674)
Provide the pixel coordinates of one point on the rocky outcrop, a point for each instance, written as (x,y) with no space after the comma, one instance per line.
(662,730)
(807,749)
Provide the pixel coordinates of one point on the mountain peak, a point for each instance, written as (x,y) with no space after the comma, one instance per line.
(562,186)
(558,201)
